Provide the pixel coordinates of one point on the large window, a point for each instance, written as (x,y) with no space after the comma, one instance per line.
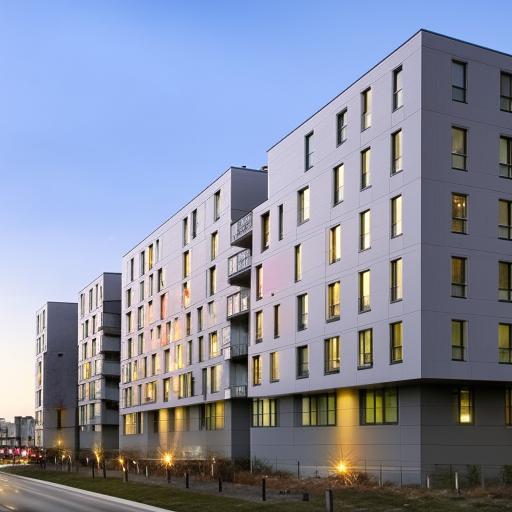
(366,168)
(396,216)
(308,151)
(465,406)
(459,213)
(280,221)
(264,412)
(133,423)
(216,205)
(297,262)
(396,152)
(364,230)
(398,98)
(259,282)
(274,366)
(303,205)
(396,342)
(396,280)
(332,355)
(212,280)
(506,92)
(366,109)
(459,283)
(302,311)
(338,178)
(256,370)
(365,359)
(505,343)
(214,245)
(459,81)
(506,157)
(378,406)
(302,362)
(505,220)
(341,127)
(459,334)
(459,149)
(364,291)
(318,410)
(277,327)
(213,416)
(265,231)
(334,244)
(505,281)
(258,317)
(214,345)
(333,301)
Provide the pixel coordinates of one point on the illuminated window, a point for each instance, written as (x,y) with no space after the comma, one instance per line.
(364,291)
(338,185)
(365,349)
(506,157)
(213,416)
(396,216)
(378,406)
(308,151)
(396,152)
(365,168)
(265,231)
(459,284)
(333,301)
(505,343)
(505,281)
(264,412)
(186,264)
(212,280)
(318,410)
(259,282)
(459,148)
(334,244)
(366,109)
(216,205)
(274,366)
(505,220)
(396,342)
(298,262)
(341,127)
(303,205)
(459,213)
(364,230)
(214,344)
(256,370)
(396,280)
(465,406)
(506,92)
(302,311)
(459,333)
(259,326)
(185,231)
(332,355)
(214,245)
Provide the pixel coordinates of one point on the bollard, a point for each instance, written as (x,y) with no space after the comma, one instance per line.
(298,470)
(147,472)
(220,484)
(263,489)
(329,502)
(187,480)
(92,468)
(104,469)
(305,496)
(428,481)
(125,474)
(168,474)
(457,482)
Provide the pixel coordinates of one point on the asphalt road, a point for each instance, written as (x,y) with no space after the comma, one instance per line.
(26,495)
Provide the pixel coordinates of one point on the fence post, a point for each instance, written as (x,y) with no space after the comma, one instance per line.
(457,482)
(298,470)
(380,476)
(263,489)
(428,481)
(329,502)
(104,469)
(220,484)
(187,480)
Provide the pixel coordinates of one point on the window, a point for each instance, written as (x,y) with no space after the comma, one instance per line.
(396,342)
(265,231)
(505,281)
(212,280)
(366,109)
(338,183)
(459,284)
(308,151)
(365,168)
(396,216)
(200,349)
(459,333)
(365,349)
(256,370)
(333,301)
(186,264)
(506,157)
(200,318)
(276,321)
(274,366)
(505,343)
(258,317)
(378,406)
(396,152)
(215,375)
(459,149)
(398,97)
(185,231)
(214,245)
(465,406)
(194,224)
(459,213)
(318,410)
(506,92)
(459,81)
(332,355)
(505,220)
(166,389)
(364,230)
(216,205)
(161,280)
(213,416)
(259,282)
(302,362)
(131,269)
(214,347)
(186,294)
(264,413)
(396,280)
(302,312)
(298,262)
(364,291)
(142,269)
(341,127)
(334,244)
(140,317)
(133,423)
(280,217)
(303,205)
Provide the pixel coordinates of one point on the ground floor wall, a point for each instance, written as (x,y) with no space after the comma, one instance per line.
(105,439)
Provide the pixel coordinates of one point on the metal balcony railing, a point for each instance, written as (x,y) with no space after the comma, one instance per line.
(110,322)
(238,303)
(239,391)
(241,227)
(239,262)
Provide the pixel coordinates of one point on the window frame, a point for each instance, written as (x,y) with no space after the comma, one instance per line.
(459,350)
(308,151)
(463,220)
(463,156)
(397,96)
(341,126)
(464,87)
(396,351)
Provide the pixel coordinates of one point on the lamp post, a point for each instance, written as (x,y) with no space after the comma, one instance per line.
(168,461)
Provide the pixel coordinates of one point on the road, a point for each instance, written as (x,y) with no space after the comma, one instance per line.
(26,495)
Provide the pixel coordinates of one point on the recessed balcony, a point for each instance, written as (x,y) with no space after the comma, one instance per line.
(110,323)
(241,232)
(238,303)
(239,268)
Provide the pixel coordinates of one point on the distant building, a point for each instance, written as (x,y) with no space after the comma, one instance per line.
(19,432)
(99,332)
(56,366)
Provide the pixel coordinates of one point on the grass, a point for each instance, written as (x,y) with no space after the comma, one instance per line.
(350,499)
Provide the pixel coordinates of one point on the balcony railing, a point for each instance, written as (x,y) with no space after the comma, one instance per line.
(238,391)
(110,322)
(238,303)
(239,262)
(241,227)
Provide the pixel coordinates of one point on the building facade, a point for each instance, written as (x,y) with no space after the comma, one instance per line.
(185,328)
(55,372)
(99,346)
(381,328)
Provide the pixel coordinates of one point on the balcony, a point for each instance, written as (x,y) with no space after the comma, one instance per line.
(239,268)
(109,368)
(241,231)
(239,391)
(236,351)
(110,323)
(238,303)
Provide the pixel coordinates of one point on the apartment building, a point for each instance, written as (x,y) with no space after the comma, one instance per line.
(99,347)
(381,298)
(184,327)
(55,376)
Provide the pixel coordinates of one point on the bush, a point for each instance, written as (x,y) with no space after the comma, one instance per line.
(507,474)
(473,475)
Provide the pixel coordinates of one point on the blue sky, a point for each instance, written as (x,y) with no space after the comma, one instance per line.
(113,114)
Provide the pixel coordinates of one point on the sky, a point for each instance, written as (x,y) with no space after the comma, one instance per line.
(114,113)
